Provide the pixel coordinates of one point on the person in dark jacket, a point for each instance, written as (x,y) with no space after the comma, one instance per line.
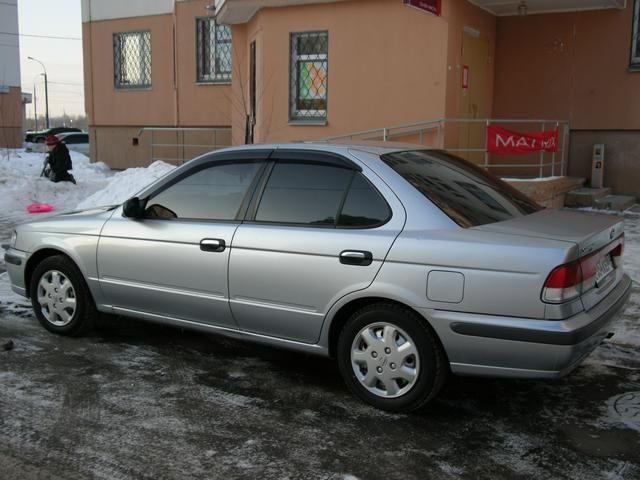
(58,161)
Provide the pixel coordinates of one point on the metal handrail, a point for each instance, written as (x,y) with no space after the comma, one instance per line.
(422,127)
(181,145)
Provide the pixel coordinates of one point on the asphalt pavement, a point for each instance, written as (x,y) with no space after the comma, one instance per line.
(135,400)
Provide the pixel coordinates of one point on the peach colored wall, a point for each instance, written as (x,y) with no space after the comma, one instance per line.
(11,118)
(199,104)
(110,106)
(386,66)
(568,66)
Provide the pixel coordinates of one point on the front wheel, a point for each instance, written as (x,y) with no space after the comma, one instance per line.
(390,359)
(60,297)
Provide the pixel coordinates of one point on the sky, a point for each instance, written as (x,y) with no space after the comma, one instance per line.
(61,57)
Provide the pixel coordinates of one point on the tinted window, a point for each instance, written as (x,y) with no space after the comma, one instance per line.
(214,193)
(364,206)
(304,193)
(466,193)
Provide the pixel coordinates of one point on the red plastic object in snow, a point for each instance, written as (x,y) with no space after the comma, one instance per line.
(39,208)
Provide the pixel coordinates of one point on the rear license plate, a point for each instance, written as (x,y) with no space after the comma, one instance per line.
(603,269)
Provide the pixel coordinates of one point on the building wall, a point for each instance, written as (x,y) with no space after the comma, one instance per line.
(621,166)
(199,104)
(574,66)
(388,64)
(107,105)
(175,99)
(10,91)
(570,66)
(11,133)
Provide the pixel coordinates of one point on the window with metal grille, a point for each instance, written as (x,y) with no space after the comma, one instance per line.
(308,72)
(132,59)
(635,38)
(213,44)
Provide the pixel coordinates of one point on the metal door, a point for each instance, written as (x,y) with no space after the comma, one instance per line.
(283,278)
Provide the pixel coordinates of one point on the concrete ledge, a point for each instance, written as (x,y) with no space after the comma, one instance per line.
(585,197)
(548,192)
(615,202)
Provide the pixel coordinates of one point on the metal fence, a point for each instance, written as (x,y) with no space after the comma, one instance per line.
(178,145)
(467,137)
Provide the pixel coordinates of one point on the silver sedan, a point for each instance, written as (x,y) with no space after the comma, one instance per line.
(403,264)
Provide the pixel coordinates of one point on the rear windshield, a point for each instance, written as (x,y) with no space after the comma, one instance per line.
(469,195)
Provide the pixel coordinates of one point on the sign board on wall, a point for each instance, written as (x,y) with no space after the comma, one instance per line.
(431,6)
(501,141)
(465,76)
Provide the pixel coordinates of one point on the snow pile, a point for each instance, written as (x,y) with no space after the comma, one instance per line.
(97,185)
(21,184)
(126,184)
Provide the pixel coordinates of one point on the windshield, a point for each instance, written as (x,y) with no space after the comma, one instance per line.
(469,195)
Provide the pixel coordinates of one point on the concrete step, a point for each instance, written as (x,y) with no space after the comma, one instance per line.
(615,202)
(585,197)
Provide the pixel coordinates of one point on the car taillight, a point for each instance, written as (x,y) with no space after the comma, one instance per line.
(563,284)
(571,280)
(617,252)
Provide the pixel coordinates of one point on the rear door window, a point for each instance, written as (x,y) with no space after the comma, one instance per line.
(469,195)
(304,193)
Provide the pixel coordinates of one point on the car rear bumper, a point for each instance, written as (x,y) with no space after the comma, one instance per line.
(15,263)
(526,348)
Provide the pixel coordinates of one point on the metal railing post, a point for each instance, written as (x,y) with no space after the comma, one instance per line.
(486,144)
(565,149)
(542,156)
(553,157)
(385,134)
(151,149)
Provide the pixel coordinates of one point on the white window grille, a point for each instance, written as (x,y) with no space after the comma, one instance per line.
(132,59)
(213,45)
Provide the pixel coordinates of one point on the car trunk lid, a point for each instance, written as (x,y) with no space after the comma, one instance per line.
(595,236)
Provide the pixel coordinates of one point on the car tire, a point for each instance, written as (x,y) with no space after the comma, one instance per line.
(389,357)
(60,297)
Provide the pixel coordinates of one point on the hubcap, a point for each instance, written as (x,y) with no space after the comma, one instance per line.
(385,360)
(57,298)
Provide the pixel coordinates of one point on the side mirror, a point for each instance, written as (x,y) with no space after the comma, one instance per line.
(133,208)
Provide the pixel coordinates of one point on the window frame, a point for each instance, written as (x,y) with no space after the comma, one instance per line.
(118,64)
(244,204)
(212,77)
(634,53)
(294,113)
(314,158)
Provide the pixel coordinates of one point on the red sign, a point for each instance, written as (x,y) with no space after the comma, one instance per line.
(501,141)
(431,6)
(465,76)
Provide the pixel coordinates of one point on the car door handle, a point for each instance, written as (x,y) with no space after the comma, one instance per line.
(356,257)
(212,245)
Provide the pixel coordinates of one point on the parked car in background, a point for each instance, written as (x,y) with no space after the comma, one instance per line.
(404,264)
(41,135)
(76,141)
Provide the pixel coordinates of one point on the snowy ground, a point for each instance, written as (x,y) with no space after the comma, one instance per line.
(137,401)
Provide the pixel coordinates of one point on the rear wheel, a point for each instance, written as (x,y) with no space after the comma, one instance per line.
(390,359)
(60,297)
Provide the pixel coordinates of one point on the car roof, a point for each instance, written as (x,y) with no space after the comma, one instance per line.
(343,147)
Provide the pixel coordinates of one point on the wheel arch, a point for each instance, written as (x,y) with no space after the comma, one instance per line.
(345,311)
(37,257)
